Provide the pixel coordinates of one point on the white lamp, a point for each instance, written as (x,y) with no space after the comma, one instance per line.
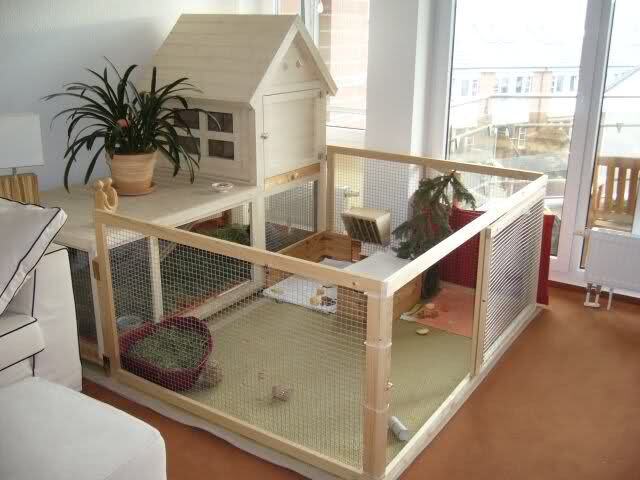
(20,146)
(20,141)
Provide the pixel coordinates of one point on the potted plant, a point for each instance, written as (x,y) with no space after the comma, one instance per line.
(428,222)
(132,126)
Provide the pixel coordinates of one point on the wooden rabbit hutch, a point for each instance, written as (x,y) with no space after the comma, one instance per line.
(300,342)
(323,384)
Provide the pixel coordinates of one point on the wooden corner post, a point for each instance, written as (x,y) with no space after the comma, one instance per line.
(106,199)
(480,303)
(378,385)
(330,190)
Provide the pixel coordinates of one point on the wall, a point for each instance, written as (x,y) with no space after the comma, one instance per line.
(392,68)
(44,44)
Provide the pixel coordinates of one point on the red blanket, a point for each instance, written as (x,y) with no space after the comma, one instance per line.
(461,265)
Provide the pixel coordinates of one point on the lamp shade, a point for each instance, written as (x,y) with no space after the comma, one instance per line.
(20,140)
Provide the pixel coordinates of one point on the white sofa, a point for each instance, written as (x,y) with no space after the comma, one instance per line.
(46,429)
(38,328)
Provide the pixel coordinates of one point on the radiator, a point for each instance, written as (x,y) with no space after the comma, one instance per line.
(613,261)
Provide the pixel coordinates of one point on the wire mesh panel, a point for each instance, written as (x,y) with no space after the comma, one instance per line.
(375,184)
(282,352)
(83,294)
(431,346)
(490,188)
(130,265)
(231,225)
(513,272)
(290,216)
(387,185)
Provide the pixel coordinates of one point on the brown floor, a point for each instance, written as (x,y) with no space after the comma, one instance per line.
(563,403)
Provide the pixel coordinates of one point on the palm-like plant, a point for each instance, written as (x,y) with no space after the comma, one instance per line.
(428,222)
(127,121)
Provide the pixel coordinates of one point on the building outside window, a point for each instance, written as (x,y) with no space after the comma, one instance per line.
(525,126)
(522,137)
(464,88)
(573,83)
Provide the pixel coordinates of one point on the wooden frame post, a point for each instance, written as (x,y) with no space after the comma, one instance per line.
(378,385)
(330,191)
(480,304)
(156,279)
(106,200)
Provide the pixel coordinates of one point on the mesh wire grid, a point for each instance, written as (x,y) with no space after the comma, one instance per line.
(387,185)
(431,348)
(290,216)
(513,281)
(261,345)
(83,294)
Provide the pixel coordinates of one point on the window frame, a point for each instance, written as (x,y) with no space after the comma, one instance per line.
(565,267)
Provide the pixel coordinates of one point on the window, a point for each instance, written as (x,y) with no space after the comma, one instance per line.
(469,141)
(464,89)
(573,83)
(191,145)
(528,129)
(221,149)
(341,31)
(504,85)
(220,122)
(614,200)
(518,84)
(557,84)
(215,128)
(474,88)
(522,137)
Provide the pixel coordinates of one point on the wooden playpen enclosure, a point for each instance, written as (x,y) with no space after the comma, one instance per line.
(308,346)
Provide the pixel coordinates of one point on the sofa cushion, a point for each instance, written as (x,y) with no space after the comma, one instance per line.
(20,338)
(52,432)
(27,231)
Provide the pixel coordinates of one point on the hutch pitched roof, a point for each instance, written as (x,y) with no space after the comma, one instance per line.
(229,57)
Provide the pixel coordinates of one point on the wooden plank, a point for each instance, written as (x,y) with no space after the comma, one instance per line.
(21,188)
(321,149)
(377,390)
(155,279)
(107,307)
(95,296)
(175,202)
(405,298)
(291,176)
(440,165)
(305,268)
(321,200)
(620,189)
(89,351)
(241,427)
(633,191)
(442,249)
(480,302)
(339,246)
(608,191)
(331,190)
(310,248)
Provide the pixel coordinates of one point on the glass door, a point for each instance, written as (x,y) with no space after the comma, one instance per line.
(515,75)
(614,187)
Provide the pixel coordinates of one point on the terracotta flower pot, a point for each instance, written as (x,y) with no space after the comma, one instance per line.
(133,174)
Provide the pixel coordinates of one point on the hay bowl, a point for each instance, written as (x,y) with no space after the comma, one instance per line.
(171,353)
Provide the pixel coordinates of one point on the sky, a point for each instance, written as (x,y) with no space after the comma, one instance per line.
(518,33)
